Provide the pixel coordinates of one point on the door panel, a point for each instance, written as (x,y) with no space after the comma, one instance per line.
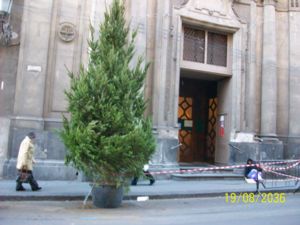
(185,118)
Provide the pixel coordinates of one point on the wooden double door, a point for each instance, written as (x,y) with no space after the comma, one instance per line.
(197,117)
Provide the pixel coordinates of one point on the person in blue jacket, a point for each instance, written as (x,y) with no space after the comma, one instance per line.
(253,172)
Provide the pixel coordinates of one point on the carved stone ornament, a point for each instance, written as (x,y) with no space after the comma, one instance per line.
(213,6)
(219,8)
(67,31)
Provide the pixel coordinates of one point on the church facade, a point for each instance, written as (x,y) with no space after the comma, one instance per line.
(223,84)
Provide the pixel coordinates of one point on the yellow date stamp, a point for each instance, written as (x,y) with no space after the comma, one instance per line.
(245,197)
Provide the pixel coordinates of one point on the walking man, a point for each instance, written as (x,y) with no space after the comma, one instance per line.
(25,164)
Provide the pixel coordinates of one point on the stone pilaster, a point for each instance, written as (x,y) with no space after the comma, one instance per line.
(293,151)
(294,72)
(166,134)
(138,21)
(4,131)
(269,71)
(160,63)
(251,89)
(32,67)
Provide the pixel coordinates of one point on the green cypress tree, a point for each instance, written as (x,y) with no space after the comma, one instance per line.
(107,136)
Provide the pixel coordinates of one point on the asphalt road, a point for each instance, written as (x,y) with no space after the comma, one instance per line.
(208,211)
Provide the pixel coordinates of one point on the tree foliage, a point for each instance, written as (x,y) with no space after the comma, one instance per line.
(108,136)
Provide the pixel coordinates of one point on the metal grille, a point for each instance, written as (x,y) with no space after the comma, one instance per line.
(194,45)
(217,49)
(294,3)
(211,132)
(185,136)
(194,48)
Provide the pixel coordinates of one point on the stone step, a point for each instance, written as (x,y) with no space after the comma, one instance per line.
(198,170)
(207,176)
(168,172)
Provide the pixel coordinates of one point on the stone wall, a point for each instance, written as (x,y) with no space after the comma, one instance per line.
(258,151)
(258,93)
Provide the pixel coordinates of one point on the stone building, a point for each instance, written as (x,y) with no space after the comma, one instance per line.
(224,81)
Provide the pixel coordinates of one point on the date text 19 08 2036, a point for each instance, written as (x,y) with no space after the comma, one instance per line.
(252,198)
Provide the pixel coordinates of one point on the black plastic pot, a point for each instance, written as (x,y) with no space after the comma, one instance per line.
(106,196)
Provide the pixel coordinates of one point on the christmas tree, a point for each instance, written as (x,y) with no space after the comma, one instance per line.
(107,135)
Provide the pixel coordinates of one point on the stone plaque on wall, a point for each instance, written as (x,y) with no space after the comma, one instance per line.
(67,31)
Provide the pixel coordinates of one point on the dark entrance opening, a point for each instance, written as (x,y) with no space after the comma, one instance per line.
(197,117)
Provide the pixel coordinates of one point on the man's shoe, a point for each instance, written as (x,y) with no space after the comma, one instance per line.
(152,182)
(37,189)
(134,181)
(20,188)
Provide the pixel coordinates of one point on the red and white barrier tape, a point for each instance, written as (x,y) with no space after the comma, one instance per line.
(199,169)
(281,168)
(261,165)
(284,175)
(281,162)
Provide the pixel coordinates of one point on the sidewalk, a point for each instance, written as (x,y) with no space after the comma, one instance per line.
(162,189)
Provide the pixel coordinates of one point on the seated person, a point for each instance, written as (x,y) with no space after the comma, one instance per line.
(253,172)
(146,173)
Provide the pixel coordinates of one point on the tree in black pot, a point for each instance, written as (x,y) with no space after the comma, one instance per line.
(107,135)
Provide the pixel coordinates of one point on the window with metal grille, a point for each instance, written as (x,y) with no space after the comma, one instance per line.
(205,47)
(216,49)
(294,3)
(194,45)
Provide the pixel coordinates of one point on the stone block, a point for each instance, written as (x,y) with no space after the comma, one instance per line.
(4,131)
(49,153)
(48,144)
(292,150)
(258,151)
(166,151)
(43,170)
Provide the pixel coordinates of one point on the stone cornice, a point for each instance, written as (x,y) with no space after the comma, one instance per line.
(270,2)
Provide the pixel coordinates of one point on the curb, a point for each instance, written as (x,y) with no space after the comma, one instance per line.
(134,197)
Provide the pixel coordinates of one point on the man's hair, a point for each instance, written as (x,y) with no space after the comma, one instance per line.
(31,135)
(249,161)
